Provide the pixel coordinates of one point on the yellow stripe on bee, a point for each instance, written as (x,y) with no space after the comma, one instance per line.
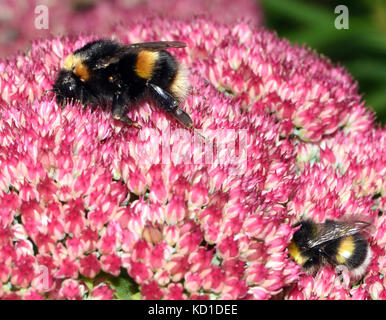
(69,62)
(295,253)
(145,63)
(345,250)
(76,65)
(180,84)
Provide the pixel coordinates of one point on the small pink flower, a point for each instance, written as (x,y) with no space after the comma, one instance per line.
(33,295)
(98,219)
(234,288)
(5,272)
(228,248)
(177,266)
(89,238)
(200,259)
(259,293)
(171,234)
(175,210)
(74,220)
(196,296)
(151,291)
(175,292)
(234,267)
(74,247)
(110,238)
(23,271)
(24,248)
(213,278)
(45,242)
(68,269)
(256,273)
(46,190)
(89,265)
(192,282)
(190,240)
(10,296)
(162,277)
(157,255)
(111,264)
(359,294)
(71,290)
(375,287)
(139,271)
(55,223)
(141,250)
(339,294)
(102,292)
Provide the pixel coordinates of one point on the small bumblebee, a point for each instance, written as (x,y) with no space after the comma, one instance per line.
(108,73)
(338,243)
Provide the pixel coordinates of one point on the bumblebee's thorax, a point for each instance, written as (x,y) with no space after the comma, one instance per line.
(76,64)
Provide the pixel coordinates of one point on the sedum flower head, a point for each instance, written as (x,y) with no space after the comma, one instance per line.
(86,200)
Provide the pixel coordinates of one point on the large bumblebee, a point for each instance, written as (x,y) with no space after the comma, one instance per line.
(108,73)
(332,242)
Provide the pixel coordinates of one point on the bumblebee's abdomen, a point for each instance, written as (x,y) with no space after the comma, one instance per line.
(359,252)
(345,248)
(163,70)
(145,64)
(350,251)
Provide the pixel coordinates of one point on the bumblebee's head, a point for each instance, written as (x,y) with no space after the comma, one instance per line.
(68,87)
(298,248)
(303,234)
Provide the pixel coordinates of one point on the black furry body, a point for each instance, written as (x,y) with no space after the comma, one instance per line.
(333,242)
(105,72)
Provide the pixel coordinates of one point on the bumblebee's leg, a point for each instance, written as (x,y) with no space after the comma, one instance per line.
(119,109)
(312,264)
(170,104)
(165,99)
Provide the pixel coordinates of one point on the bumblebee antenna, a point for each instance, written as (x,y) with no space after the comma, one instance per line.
(48,90)
(45,92)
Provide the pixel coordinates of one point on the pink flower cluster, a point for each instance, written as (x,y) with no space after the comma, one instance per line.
(83,195)
(69,17)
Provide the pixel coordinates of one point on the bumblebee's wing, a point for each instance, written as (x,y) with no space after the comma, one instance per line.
(332,230)
(157,45)
(127,48)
